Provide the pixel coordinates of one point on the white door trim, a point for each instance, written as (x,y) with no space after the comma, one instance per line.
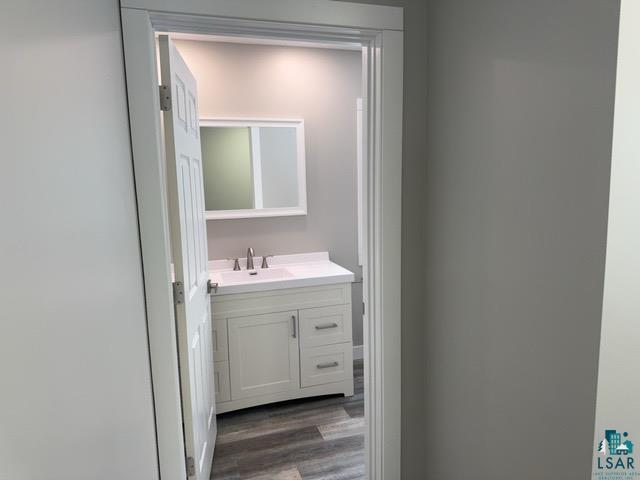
(310,12)
(379,30)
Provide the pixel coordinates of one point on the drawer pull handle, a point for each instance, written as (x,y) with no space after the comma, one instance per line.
(326,326)
(327,365)
(293,324)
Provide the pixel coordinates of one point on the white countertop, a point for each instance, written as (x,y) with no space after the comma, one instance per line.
(285,271)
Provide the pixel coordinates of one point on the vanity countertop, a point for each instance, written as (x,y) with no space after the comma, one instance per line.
(285,271)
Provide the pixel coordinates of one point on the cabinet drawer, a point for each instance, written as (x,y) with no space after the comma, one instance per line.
(325,325)
(221,381)
(220,342)
(326,364)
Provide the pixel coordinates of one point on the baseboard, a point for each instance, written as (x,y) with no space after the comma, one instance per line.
(358,352)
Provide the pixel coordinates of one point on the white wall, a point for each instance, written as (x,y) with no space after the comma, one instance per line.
(618,405)
(319,86)
(75,398)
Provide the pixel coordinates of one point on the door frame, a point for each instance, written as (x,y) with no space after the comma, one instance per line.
(379,29)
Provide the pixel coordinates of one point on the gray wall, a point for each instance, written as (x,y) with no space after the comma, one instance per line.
(618,404)
(520,103)
(319,86)
(76,397)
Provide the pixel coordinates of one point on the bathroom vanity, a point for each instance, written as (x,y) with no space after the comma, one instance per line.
(281,332)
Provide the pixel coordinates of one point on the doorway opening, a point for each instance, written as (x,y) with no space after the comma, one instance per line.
(278,127)
(379,246)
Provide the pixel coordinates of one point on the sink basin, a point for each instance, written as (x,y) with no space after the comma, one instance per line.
(259,275)
(285,271)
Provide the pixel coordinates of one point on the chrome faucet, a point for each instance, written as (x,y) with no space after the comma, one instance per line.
(250,255)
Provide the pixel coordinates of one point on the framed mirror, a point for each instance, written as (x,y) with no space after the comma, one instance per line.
(253,168)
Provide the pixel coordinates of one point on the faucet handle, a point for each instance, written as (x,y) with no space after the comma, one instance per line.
(236,263)
(264,261)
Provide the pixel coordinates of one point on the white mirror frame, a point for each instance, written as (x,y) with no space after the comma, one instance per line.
(301,208)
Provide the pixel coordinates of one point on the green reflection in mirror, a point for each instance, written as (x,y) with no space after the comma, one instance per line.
(227,169)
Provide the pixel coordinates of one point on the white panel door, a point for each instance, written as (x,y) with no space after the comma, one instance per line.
(263,354)
(189,251)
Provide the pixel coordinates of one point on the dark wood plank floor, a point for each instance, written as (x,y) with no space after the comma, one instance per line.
(317,438)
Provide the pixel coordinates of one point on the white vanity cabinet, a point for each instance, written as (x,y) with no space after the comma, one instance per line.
(282,344)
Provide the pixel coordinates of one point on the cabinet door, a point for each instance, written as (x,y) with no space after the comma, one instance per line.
(263,354)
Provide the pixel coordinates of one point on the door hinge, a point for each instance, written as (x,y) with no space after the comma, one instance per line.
(191,466)
(178,292)
(165,97)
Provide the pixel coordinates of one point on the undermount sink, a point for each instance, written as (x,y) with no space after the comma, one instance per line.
(284,271)
(258,275)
